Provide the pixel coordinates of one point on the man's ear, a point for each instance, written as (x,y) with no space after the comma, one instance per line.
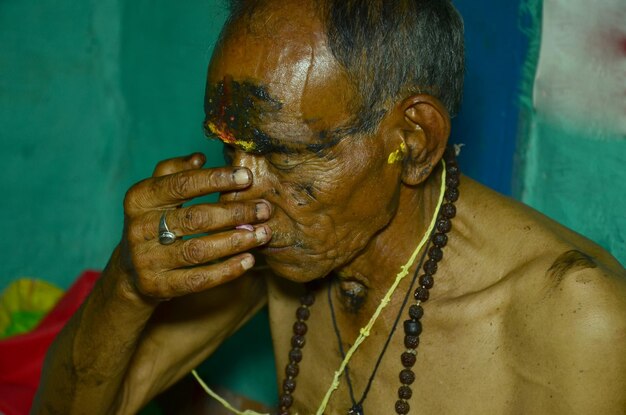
(425,129)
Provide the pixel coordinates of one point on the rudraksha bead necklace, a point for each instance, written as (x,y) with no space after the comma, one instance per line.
(295,354)
(412,326)
(357,407)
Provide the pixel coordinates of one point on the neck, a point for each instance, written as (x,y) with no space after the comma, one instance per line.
(377,265)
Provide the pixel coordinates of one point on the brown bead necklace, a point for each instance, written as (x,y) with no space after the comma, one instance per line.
(357,407)
(412,326)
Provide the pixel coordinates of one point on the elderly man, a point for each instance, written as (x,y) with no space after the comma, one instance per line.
(394,284)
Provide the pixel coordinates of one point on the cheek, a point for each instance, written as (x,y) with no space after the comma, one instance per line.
(337,204)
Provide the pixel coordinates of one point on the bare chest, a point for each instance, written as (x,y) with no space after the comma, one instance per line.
(461,364)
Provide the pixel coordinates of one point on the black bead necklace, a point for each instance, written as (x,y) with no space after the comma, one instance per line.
(412,326)
(295,354)
(439,239)
(357,407)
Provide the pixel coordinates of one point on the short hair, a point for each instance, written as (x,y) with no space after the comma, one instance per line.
(391,49)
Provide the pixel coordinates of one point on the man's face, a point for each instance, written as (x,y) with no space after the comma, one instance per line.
(280,103)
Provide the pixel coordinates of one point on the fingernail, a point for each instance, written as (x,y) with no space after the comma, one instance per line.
(247,262)
(242,176)
(197,159)
(260,234)
(262,211)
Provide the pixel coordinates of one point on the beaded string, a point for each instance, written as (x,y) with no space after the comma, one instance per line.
(413,326)
(357,407)
(365,331)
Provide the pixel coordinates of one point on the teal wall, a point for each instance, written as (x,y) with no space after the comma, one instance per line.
(579,180)
(572,141)
(92,95)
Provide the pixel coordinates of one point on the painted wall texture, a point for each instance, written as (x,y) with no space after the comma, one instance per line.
(574,147)
(92,95)
(487,123)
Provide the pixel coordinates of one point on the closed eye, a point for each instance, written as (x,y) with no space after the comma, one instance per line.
(284,161)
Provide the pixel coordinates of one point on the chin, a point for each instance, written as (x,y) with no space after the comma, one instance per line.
(298,272)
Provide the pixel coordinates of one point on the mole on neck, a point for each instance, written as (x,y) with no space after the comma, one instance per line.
(353,295)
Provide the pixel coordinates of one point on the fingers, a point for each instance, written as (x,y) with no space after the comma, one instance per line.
(175,165)
(201,250)
(175,189)
(186,281)
(199,263)
(202,218)
(188,266)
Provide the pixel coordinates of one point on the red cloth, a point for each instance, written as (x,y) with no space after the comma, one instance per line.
(22,356)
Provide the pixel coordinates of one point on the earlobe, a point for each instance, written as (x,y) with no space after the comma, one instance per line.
(426,128)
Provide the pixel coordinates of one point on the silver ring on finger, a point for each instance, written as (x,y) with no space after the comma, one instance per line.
(166,237)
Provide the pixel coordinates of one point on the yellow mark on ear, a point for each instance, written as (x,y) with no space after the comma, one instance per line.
(397,155)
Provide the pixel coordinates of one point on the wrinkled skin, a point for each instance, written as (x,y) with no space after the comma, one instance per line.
(327,204)
(525,316)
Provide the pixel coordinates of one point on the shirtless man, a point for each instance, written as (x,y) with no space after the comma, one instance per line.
(338,170)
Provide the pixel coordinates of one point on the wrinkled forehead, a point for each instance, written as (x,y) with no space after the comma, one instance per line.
(277,75)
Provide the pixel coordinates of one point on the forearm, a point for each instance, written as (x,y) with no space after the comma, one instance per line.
(184,333)
(87,362)
(97,361)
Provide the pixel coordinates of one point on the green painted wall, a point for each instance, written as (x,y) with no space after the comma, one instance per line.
(572,148)
(92,95)
(578,180)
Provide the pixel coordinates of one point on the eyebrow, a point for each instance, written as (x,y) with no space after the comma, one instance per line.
(234,110)
(260,144)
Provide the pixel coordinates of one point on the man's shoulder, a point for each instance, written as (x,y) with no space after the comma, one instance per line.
(576,299)
(564,290)
(564,326)
(521,238)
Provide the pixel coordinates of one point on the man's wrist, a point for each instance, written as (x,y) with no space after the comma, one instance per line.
(120,282)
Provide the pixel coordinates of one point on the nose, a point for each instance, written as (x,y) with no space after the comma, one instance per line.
(254,163)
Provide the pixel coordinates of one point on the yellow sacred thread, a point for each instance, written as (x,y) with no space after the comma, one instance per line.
(221,400)
(364,331)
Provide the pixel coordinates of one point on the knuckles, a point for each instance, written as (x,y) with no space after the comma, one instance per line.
(220,178)
(239,214)
(194,282)
(147,285)
(179,186)
(196,219)
(132,199)
(193,251)
(237,241)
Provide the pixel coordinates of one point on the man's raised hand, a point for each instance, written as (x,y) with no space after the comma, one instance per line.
(213,252)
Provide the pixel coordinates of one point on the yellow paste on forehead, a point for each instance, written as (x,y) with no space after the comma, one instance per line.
(229,138)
